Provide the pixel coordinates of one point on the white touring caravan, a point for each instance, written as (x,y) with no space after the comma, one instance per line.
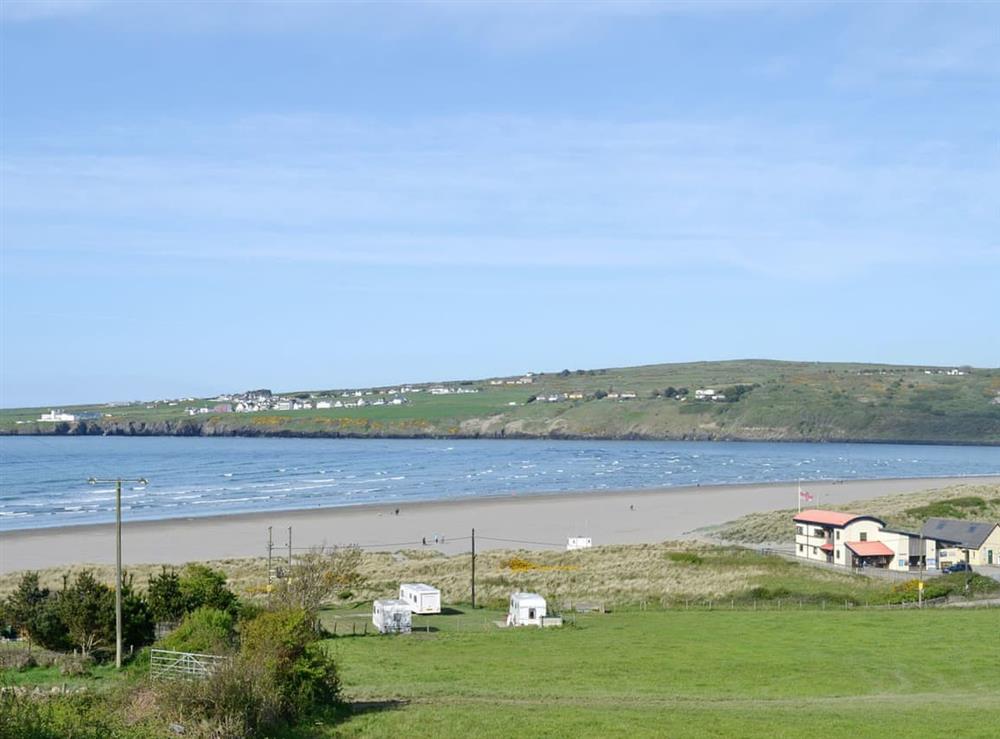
(392,616)
(526,609)
(420,597)
(578,542)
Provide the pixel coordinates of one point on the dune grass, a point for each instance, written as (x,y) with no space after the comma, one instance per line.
(618,575)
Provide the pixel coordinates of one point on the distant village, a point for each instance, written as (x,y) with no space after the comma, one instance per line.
(264,400)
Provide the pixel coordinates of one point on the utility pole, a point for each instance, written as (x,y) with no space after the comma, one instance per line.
(473,568)
(289,550)
(270,548)
(920,582)
(118,559)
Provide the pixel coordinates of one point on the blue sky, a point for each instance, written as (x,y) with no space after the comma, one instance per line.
(207,197)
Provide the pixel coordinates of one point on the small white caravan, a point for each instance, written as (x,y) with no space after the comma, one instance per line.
(392,616)
(526,609)
(578,542)
(420,597)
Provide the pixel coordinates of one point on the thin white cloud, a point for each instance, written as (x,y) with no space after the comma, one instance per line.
(504,191)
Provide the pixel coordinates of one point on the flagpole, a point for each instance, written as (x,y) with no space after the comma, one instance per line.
(799,496)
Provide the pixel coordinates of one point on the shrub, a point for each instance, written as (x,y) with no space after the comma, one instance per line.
(284,642)
(279,675)
(74,665)
(202,586)
(206,630)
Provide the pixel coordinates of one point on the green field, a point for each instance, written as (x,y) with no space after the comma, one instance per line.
(676,673)
(785,401)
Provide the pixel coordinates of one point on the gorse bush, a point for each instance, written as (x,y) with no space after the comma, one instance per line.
(206,630)
(279,675)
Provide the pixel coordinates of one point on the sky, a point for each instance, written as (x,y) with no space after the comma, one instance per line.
(207,197)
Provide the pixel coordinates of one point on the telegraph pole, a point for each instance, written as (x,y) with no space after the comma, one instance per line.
(473,568)
(270,548)
(118,559)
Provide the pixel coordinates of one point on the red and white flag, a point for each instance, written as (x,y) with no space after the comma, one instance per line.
(805,496)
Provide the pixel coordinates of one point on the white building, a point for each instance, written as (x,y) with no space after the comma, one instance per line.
(852,540)
(704,393)
(57,416)
(526,609)
(421,598)
(323,404)
(392,616)
(578,542)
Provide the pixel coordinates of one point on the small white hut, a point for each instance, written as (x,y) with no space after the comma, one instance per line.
(526,609)
(578,542)
(420,597)
(392,616)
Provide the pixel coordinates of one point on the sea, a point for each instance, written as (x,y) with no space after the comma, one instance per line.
(44,479)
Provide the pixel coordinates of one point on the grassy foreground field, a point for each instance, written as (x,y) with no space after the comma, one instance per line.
(691,674)
(767,400)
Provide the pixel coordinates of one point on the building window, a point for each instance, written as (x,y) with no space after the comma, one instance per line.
(819,532)
(838,536)
(864,536)
(838,554)
(801,547)
(814,552)
(798,530)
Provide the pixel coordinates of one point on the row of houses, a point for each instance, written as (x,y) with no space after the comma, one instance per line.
(858,541)
(528,379)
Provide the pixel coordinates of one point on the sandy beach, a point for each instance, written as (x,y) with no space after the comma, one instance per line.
(510,522)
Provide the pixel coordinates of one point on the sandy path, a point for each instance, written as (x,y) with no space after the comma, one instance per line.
(609,517)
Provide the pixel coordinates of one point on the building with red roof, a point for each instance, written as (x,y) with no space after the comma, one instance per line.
(857,540)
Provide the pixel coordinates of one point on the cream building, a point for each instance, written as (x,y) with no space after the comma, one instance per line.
(975,542)
(852,540)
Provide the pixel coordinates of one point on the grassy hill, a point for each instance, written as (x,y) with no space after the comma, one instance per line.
(766,400)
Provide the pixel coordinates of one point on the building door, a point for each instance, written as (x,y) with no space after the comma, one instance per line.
(989,556)
(531,614)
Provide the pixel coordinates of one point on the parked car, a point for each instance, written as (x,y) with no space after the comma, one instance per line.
(958,567)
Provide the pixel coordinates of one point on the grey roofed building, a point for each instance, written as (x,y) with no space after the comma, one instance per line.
(967,534)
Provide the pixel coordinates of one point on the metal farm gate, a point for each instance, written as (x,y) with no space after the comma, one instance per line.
(167,664)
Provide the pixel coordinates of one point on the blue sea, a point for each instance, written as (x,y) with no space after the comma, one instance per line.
(43,480)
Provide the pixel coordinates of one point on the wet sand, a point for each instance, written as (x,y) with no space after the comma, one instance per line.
(508,522)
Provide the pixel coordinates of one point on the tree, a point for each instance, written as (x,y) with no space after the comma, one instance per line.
(87,608)
(670,392)
(166,601)
(598,394)
(23,605)
(138,624)
(202,586)
(564,373)
(318,574)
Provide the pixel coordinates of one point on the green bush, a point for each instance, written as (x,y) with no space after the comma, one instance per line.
(202,586)
(279,675)
(206,630)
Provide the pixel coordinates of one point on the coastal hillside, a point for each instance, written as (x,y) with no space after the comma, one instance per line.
(740,400)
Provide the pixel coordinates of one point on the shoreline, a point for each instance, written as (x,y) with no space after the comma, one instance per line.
(254,433)
(542,495)
(533,520)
